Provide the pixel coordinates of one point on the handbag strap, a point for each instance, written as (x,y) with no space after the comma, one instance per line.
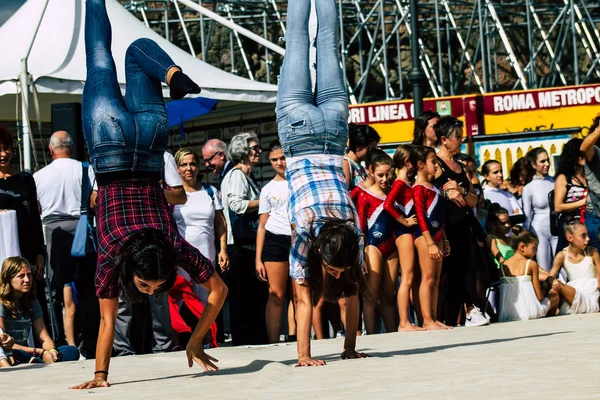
(85,187)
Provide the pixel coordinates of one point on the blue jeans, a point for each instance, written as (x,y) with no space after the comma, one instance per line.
(592,222)
(128,134)
(69,353)
(307,123)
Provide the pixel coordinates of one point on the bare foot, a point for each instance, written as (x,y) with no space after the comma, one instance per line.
(432,326)
(409,328)
(443,326)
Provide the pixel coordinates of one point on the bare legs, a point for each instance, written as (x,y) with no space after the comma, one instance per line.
(381,281)
(70,309)
(429,288)
(278,277)
(406,248)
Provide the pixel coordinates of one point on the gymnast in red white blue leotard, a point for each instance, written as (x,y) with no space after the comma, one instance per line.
(377,225)
(429,209)
(400,203)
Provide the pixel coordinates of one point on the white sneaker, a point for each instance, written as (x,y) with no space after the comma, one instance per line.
(476,318)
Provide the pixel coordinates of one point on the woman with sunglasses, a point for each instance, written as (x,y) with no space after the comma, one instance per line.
(240,196)
(459,271)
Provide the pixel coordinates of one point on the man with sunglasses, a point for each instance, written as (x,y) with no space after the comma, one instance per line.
(215,159)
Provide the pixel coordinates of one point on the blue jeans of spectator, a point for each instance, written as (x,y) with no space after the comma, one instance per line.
(592,222)
(128,134)
(69,353)
(312,124)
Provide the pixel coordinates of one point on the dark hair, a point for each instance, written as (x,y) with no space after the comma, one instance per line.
(421,123)
(6,138)
(372,155)
(417,153)
(485,168)
(337,244)
(516,172)
(384,159)
(275,145)
(149,256)
(531,158)
(568,163)
(462,157)
(570,223)
(361,136)
(447,126)
(493,225)
(372,136)
(522,236)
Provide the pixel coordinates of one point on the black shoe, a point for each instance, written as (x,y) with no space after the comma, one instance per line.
(181,85)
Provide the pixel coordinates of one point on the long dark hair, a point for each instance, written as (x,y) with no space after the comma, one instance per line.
(516,172)
(336,244)
(421,123)
(493,225)
(361,136)
(531,158)
(568,163)
(149,256)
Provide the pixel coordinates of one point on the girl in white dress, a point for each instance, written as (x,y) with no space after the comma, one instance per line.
(582,265)
(521,295)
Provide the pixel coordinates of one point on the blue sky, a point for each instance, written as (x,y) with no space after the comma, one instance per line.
(8,7)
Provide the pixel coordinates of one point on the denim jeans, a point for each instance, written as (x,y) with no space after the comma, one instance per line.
(128,134)
(592,222)
(307,123)
(69,353)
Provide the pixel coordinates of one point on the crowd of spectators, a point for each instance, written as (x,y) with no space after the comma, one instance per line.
(447,243)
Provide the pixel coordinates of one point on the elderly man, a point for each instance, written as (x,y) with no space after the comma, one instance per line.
(59,196)
(215,159)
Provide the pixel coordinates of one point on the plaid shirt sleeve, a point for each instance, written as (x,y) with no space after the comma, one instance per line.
(299,253)
(194,263)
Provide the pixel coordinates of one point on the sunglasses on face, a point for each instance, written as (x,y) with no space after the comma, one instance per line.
(209,159)
(256,148)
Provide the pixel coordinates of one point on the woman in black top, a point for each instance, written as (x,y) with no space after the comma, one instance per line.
(459,269)
(18,192)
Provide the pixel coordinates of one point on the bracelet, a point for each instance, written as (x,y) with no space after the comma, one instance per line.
(101,372)
(42,355)
(34,353)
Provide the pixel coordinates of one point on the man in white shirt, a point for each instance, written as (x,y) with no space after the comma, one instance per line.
(59,196)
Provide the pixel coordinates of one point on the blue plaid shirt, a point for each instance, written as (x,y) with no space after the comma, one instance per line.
(317,190)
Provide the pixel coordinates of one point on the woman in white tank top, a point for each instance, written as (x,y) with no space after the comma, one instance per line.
(582,265)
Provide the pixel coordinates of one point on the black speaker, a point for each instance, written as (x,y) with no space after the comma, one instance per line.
(67,117)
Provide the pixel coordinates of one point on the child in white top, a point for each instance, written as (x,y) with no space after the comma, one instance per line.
(582,265)
(273,241)
(521,294)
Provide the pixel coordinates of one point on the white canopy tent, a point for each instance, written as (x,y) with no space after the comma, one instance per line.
(42,47)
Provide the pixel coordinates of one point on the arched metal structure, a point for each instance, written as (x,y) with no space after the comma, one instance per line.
(476,46)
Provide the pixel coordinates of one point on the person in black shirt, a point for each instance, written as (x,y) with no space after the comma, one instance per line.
(459,271)
(17,192)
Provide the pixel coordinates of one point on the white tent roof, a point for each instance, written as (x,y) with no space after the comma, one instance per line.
(57,59)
